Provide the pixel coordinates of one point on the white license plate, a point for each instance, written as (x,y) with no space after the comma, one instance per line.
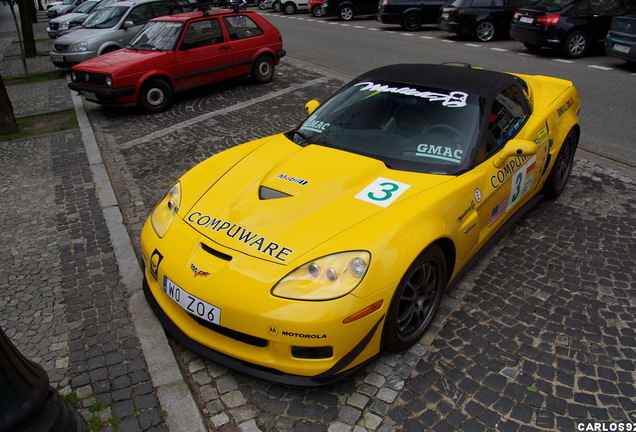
(621,48)
(57,58)
(88,95)
(191,304)
(526,20)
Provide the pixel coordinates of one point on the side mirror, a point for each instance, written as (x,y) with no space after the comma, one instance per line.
(514,148)
(311,106)
(128,24)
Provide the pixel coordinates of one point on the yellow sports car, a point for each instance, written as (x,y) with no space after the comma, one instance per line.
(299,257)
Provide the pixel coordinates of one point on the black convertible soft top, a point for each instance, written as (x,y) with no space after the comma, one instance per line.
(479,82)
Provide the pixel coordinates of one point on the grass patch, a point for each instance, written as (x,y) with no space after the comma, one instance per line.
(43,124)
(38,77)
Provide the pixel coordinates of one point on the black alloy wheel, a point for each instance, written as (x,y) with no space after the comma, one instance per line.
(416,300)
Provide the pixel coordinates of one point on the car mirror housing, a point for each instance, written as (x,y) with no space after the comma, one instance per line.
(128,24)
(514,148)
(311,106)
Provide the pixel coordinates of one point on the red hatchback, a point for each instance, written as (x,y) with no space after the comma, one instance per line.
(177,52)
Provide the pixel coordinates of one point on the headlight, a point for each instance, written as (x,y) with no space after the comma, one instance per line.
(80,46)
(64,25)
(108,80)
(326,278)
(73,75)
(162,216)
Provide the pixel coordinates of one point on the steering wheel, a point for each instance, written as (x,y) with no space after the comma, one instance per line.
(448,129)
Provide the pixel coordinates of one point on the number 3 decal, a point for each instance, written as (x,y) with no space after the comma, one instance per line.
(382,191)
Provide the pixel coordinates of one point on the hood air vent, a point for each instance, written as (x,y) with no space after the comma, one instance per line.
(266,193)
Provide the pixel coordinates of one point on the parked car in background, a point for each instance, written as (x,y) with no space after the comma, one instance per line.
(65,22)
(483,20)
(109,29)
(315,7)
(410,14)
(572,26)
(292,6)
(265,4)
(63,8)
(620,41)
(177,52)
(346,10)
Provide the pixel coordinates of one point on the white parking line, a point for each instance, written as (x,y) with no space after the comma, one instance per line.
(563,61)
(473,45)
(605,68)
(498,49)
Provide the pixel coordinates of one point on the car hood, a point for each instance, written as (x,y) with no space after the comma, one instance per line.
(82,34)
(68,17)
(281,201)
(123,59)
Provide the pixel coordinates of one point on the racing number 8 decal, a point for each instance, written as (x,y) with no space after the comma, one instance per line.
(382,191)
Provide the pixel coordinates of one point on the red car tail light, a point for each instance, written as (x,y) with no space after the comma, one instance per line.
(549,19)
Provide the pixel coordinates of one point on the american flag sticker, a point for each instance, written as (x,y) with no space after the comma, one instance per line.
(498,211)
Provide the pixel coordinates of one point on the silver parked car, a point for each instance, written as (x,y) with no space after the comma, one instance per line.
(67,21)
(109,29)
(63,8)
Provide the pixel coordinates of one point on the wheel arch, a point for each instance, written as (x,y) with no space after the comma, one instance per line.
(108,47)
(150,75)
(450,253)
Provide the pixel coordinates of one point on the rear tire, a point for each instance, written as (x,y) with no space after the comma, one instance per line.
(276,6)
(485,31)
(560,173)
(155,96)
(412,22)
(346,13)
(415,300)
(317,11)
(576,44)
(263,69)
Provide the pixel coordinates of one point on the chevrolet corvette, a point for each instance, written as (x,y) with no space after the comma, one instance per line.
(300,257)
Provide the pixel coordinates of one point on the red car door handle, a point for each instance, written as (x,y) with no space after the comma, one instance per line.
(224,47)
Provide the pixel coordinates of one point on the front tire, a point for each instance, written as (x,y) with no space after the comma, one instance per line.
(276,6)
(317,11)
(416,300)
(289,8)
(560,173)
(155,96)
(262,5)
(263,69)
(346,13)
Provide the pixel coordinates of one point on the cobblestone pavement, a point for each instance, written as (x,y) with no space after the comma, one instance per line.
(540,335)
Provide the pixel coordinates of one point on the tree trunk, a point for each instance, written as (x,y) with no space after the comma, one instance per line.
(30,50)
(8,124)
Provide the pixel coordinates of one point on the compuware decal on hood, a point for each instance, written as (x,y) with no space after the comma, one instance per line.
(241,234)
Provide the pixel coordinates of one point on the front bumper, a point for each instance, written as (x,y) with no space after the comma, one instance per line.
(259,334)
(64,59)
(101,94)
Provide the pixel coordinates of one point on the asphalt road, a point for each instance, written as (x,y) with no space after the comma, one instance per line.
(607,85)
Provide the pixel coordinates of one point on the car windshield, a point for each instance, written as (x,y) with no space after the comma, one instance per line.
(407,127)
(157,36)
(552,5)
(105,18)
(85,7)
